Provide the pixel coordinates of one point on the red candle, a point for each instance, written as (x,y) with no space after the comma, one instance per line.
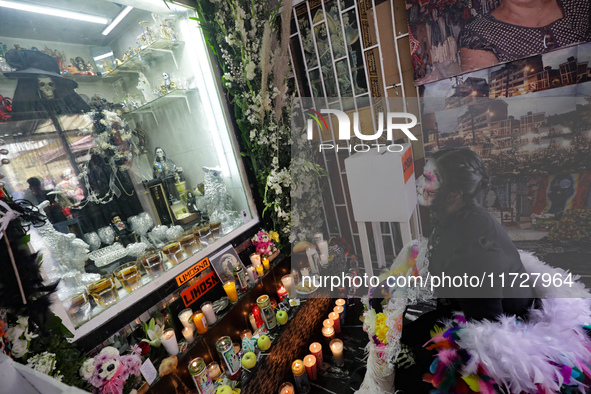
(336,321)
(310,363)
(281,293)
(257,315)
(316,350)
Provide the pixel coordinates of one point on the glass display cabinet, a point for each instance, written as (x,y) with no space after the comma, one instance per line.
(117,131)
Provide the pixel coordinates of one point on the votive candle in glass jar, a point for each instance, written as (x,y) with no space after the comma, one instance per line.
(252,321)
(152,263)
(129,276)
(230,289)
(168,339)
(328,333)
(287,281)
(213,370)
(207,308)
(185,318)
(310,364)
(300,376)
(252,274)
(327,323)
(104,291)
(227,353)
(260,270)
(336,320)
(200,375)
(264,304)
(188,334)
(173,252)
(286,388)
(266,263)
(200,322)
(336,346)
(343,303)
(78,308)
(316,350)
(281,293)
(341,312)
(255,259)
(189,243)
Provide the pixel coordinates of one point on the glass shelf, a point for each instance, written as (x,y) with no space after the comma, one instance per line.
(151,106)
(147,55)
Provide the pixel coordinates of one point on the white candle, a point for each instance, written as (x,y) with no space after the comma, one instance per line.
(324,259)
(252,274)
(323,247)
(253,322)
(305,272)
(255,259)
(168,339)
(287,281)
(312,256)
(185,318)
(188,334)
(213,370)
(336,347)
(207,309)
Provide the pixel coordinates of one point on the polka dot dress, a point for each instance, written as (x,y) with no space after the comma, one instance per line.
(510,42)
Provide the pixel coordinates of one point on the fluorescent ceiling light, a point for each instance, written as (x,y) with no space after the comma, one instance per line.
(117,19)
(103,56)
(54,12)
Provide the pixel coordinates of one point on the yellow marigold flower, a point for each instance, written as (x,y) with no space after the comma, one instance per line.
(381,327)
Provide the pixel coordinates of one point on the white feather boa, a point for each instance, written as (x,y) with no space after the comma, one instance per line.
(520,356)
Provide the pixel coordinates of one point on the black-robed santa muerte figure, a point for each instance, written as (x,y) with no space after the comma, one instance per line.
(41,89)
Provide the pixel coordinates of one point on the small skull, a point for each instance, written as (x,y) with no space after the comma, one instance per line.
(46,88)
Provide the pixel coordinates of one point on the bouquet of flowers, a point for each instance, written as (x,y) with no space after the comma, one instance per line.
(20,337)
(111,373)
(264,242)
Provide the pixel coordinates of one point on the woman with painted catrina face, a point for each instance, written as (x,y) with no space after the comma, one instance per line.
(466,241)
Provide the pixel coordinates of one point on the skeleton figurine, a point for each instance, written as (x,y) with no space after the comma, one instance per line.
(46,88)
(167,85)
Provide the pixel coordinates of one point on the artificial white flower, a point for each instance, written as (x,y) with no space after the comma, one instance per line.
(110,350)
(87,368)
(19,348)
(14,333)
(22,321)
(250,67)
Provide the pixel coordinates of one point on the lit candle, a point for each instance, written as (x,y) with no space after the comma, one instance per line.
(341,311)
(300,376)
(168,339)
(252,274)
(286,388)
(336,346)
(323,247)
(343,303)
(327,323)
(255,259)
(252,321)
(230,288)
(207,308)
(287,281)
(246,333)
(260,270)
(185,318)
(310,363)
(336,321)
(213,370)
(188,334)
(200,322)
(281,293)
(316,350)
(266,263)
(328,333)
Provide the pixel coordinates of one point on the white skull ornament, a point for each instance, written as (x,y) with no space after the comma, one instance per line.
(46,88)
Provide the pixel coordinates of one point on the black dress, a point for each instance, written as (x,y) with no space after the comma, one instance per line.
(472,242)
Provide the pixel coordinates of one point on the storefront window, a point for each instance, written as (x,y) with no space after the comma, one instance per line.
(115,129)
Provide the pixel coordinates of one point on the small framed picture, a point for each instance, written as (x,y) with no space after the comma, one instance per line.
(224,261)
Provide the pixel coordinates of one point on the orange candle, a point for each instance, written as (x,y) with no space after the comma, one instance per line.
(316,350)
(327,323)
(310,363)
(200,322)
(336,321)
(328,333)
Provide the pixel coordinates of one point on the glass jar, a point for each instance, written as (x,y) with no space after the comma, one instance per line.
(78,308)
(264,304)
(129,276)
(225,348)
(173,252)
(200,376)
(152,263)
(104,291)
